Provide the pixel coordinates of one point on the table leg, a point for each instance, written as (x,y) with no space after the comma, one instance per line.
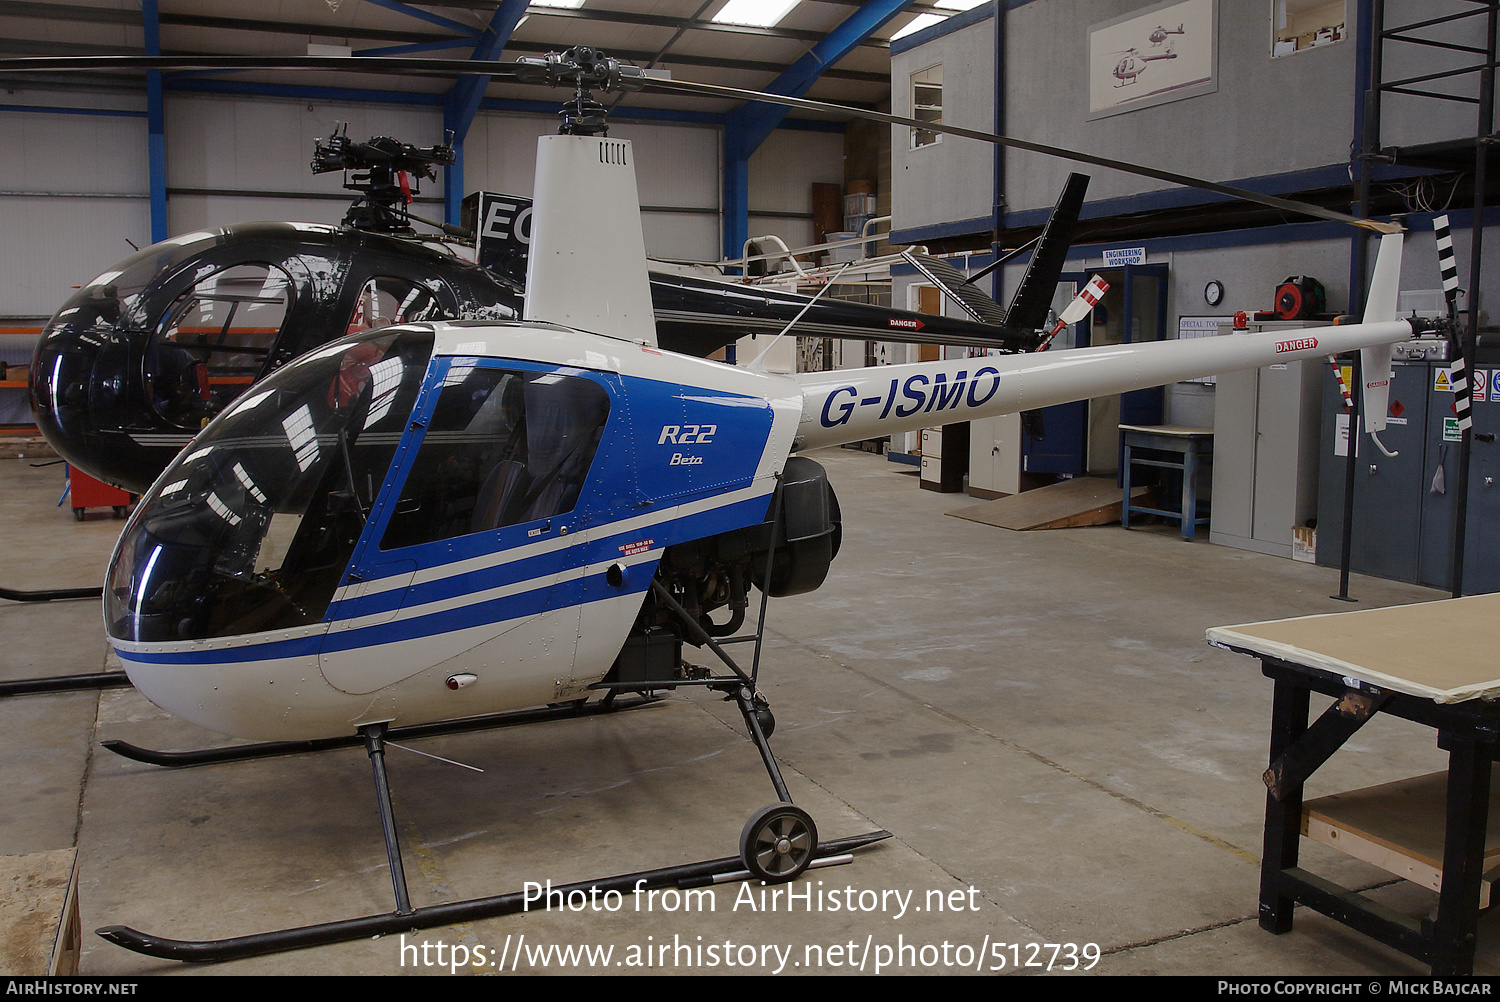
(1283,816)
(1125,509)
(1189,490)
(1454,932)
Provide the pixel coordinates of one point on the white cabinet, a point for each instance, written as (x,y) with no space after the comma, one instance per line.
(995,456)
(1266,430)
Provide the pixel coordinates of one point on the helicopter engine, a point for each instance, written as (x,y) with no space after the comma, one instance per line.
(797,541)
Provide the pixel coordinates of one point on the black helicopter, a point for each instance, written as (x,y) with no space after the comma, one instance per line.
(141,358)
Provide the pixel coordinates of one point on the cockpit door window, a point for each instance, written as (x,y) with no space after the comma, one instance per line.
(503,446)
(477,533)
(215,341)
(251,528)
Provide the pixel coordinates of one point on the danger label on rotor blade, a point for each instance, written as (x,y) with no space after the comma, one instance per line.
(911,325)
(1299,344)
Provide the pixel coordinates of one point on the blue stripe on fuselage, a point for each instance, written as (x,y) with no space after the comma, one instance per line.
(544,569)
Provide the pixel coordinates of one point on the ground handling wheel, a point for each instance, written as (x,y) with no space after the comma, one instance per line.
(778,842)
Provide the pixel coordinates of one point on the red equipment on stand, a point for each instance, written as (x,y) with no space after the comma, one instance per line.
(86,492)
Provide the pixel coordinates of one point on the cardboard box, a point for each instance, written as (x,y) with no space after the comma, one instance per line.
(1304,544)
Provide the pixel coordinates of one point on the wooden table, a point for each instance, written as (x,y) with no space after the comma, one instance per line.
(1433,663)
(1194,445)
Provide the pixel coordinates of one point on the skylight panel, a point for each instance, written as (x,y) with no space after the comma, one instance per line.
(928,20)
(917,24)
(755,13)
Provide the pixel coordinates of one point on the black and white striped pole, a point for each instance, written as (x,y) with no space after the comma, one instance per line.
(1458,371)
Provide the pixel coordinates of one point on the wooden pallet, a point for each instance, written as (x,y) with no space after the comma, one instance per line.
(39,926)
(1063,505)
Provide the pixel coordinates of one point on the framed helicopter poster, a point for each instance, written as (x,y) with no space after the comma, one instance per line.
(1162,53)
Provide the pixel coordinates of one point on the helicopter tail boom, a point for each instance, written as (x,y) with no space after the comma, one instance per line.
(855,404)
(867,403)
(851,405)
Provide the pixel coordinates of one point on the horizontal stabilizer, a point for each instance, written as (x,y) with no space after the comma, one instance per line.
(957,285)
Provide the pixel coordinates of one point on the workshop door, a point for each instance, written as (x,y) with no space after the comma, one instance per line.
(1083,437)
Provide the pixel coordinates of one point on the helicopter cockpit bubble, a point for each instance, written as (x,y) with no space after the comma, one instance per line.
(252,526)
(81,368)
(138,360)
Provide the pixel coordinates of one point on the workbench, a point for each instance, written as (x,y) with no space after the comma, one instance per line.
(1432,663)
(1194,446)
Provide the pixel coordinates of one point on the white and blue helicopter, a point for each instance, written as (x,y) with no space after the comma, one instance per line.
(442,520)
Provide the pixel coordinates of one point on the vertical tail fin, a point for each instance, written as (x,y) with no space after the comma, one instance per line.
(1033,298)
(1380,306)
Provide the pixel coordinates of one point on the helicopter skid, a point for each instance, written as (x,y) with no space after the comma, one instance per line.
(49,594)
(270,749)
(65,683)
(729,868)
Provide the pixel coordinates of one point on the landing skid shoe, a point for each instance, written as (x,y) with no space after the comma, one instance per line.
(407,919)
(460,725)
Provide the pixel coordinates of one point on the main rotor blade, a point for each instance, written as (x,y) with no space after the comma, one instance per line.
(1289,205)
(508,71)
(190,63)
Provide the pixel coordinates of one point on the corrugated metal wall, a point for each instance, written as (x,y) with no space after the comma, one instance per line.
(76,186)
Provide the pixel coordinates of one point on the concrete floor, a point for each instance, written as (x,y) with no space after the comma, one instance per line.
(1035,716)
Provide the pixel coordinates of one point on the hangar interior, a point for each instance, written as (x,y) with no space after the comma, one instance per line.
(1064,765)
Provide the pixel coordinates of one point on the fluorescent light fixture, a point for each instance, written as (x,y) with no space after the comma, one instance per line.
(569,4)
(959,4)
(755,13)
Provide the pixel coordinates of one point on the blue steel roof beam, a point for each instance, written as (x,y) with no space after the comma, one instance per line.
(747,126)
(465,95)
(428,16)
(461,103)
(156,133)
(755,121)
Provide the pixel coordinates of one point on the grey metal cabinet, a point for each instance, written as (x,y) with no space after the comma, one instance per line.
(1265,478)
(1402,527)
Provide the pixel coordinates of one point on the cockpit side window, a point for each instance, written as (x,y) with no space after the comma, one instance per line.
(250,529)
(503,447)
(215,341)
(384,301)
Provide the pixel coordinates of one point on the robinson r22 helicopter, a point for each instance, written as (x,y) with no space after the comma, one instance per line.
(435,520)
